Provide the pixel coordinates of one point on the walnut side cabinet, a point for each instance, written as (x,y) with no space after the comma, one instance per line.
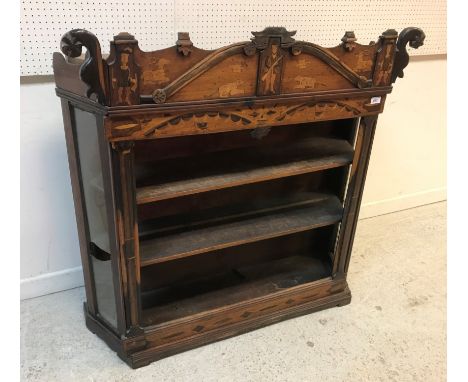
(217,191)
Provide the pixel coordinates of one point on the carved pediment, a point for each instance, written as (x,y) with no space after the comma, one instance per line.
(274,48)
(271,64)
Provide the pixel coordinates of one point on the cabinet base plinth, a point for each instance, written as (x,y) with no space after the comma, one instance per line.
(144,349)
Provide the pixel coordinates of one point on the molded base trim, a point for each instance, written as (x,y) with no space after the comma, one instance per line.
(138,358)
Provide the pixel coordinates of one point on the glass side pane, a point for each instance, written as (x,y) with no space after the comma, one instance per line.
(96,211)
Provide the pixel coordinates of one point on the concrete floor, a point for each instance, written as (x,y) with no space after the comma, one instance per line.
(393,330)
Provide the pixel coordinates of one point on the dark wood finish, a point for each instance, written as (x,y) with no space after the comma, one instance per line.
(237,201)
(179,123)
(92,69)
(185,334)
(354,194)
(127,226)
(229,288)
(223,170)
(415,37)
(241,229)
(228,259)
(232,178)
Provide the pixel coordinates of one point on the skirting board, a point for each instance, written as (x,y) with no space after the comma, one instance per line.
(51,282)
(72,278)
(402,202)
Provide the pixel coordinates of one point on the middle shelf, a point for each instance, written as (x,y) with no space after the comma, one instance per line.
(317,210)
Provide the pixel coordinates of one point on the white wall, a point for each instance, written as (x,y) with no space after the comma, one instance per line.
(213,24)
(408,162)
(50,257)
(407,169)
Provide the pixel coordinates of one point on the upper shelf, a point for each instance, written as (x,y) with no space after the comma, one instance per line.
(272,64)
(213,171)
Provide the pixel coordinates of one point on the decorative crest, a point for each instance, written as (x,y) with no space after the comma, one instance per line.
(349,41)
(260,39)
(125,38)
(281,36)
(184,44)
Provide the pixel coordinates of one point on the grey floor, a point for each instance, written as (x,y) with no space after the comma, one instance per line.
(393,330)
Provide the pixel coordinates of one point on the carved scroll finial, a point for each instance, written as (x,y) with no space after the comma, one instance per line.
(415,37)
(92,70)
(349,41)
(184,44)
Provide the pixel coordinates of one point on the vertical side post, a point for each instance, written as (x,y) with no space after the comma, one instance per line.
(385,56)
(354,193)
(127,227)
(124,71)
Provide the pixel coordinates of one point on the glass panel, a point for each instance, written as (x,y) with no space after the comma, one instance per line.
(96,211)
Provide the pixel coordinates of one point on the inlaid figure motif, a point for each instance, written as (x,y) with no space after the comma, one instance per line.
(126,82)
(272,65)
(270,72)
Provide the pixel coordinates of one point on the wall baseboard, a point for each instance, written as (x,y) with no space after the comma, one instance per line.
(403,202)
(51,282)
(72,278)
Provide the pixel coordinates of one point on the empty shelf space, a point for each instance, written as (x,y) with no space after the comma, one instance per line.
(323,210)
(240,284)
(187,176)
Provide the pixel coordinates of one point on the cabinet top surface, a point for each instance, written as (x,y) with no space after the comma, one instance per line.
(272,67)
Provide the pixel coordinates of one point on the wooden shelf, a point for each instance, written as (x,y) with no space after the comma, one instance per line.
(239,167)
(323,210)
(242,284)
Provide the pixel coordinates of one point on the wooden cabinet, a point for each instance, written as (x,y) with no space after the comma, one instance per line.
(218,191)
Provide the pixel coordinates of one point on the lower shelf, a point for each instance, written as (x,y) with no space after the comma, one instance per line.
(241,284)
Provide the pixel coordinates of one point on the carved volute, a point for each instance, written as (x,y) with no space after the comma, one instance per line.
(92,68)
(415,37)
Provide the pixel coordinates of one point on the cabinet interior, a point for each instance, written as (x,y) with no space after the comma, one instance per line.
(229,217)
